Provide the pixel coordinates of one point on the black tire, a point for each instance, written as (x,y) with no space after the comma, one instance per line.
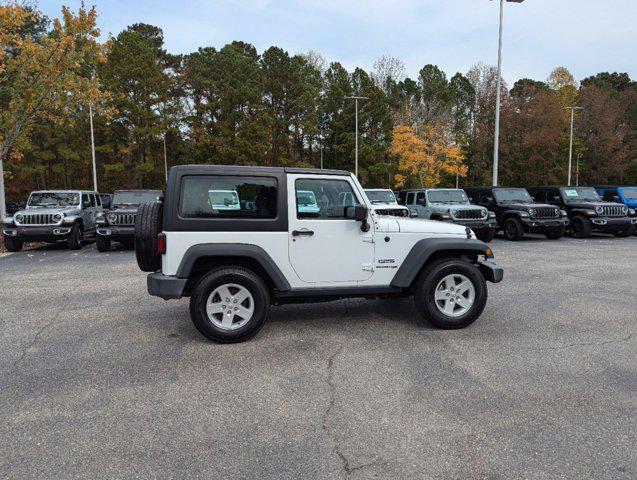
(425,289)
(76,237)
(580,228)
(103,243)
(229,275)
(629,231)
(13,244)
(513,229)
(555,234)
(148,224)
(485,234)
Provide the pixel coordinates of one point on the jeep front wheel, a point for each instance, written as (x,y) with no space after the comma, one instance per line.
(485,234)
(450,294)
(230,305)
(554,234)
(513,229)
(103,243)
(13,244)
(580,228)
(76,238)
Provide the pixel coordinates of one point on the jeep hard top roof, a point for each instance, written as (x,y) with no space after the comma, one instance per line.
(64,191)
(247,170)
(138,190)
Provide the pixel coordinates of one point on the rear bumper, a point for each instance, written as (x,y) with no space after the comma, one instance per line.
(490,271)
(162,286)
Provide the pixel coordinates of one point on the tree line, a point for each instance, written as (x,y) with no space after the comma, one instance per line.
(236,105)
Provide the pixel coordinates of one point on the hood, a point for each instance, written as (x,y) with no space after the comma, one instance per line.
(126,209)
(413,225)
(592,205)
(524,206)
(48,211)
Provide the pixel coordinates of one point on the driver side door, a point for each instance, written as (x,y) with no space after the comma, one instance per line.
(326,248)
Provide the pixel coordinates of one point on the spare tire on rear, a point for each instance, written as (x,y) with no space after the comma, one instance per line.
(148,224)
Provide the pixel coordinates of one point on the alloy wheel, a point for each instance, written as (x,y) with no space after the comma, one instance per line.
(454,295)
(230,306)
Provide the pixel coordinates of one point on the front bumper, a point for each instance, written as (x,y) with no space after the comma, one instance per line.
(163,286)
(490,271)
(117,232)
(611,224)
(478,224)
(540,225)
(44,233)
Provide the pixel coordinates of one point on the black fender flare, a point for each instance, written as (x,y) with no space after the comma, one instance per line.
(422,251)
(243,250)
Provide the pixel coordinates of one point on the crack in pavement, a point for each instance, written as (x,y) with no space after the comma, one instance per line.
(348,469)
(34,341)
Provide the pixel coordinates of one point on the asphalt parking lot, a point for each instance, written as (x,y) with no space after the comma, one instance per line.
(100,380)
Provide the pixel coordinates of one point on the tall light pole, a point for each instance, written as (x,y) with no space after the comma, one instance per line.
(165,159)
(3,206)
(356,99)
(570,146)
(90,114)
(496,141)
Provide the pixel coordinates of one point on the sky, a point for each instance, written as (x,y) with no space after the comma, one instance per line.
(586,36)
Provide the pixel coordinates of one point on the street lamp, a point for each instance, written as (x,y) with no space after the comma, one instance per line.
(356,99)
(496,142)
(570,146)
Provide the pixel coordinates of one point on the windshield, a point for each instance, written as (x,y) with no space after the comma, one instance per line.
(305,198)
(381,196)
(629,193)
(134,198)
(447,196)
(223,197)
(512,195)
(578,194)
(54,199)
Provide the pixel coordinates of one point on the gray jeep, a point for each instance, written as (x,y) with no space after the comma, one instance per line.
(451,205)
(53,216)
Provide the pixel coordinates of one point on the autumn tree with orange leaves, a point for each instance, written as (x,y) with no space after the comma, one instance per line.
(44,77)
(424,156)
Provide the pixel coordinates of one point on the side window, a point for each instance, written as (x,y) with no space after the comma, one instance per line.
(609,195)
(228,197)
(86,201)
(538,196)
(485,198)
(93,200)
(323,198)
(420,198)
(98,200)
(410,198)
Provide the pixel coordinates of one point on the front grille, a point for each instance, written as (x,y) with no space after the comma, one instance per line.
(546,212)
(613,211)
(123,219)
(38,219)
(393,212)
(473,214)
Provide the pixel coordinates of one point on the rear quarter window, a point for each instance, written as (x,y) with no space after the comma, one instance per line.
(228,197)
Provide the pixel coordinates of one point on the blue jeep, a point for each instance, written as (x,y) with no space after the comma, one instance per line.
(625,195)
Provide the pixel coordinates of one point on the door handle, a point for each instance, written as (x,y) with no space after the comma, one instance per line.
(298,233)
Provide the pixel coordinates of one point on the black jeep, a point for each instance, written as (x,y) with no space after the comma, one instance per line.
(517,213)
(118,223)
(587,211)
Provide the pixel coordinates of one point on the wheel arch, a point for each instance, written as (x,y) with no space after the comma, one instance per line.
(200,259)
(428,250)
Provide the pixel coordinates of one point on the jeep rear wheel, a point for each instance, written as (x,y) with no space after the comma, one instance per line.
(148,224)
(580,228)
(230,305)
(450,294)
(485,234)
(629,231)
(76,238)
(513,229)
(103,243)
(13,244)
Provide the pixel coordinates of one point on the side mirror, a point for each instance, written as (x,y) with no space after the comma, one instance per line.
(413,214)
(489,200)
(556,198)
(356,212)
(616,199)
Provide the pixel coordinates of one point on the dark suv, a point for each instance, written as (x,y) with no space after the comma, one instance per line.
(118,223)
(517,213)
(587,211)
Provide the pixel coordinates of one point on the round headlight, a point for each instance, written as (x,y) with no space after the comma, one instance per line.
(19,218)
(624,210)
(599,210)
(557,211)
(484,213)
(111,217)
(57,217)
(531,211)
(455,212)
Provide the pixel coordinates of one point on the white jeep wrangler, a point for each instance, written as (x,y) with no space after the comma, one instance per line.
(235,263)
